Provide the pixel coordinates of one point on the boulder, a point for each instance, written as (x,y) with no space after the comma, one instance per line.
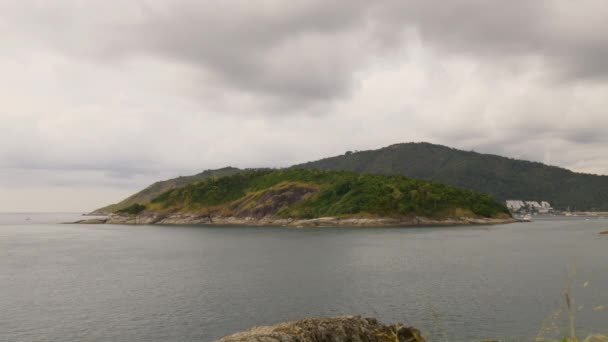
(335,329)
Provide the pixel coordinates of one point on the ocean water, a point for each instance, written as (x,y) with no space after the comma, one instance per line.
(191,283)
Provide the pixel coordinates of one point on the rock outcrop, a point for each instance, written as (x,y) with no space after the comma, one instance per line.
(269,202)
(335,329)
(92,221)
(192,218)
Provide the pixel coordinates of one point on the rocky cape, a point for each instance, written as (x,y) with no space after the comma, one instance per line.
(335,329)
(300,197)
(197,219)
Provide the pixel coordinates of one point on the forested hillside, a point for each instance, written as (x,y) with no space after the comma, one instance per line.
(501,177)
(306,194)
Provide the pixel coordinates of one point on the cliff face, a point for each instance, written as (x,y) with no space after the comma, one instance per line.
(336,329)
(269,202)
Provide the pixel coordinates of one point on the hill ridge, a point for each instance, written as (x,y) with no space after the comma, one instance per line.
(504,178)
(305,196)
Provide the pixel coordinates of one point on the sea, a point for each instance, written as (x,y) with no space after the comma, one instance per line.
(73,282)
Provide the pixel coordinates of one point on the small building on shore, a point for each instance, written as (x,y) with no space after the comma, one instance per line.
(521,206)
(545,208)
(515,205)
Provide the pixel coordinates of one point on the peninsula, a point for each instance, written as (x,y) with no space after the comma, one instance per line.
(502,178)
(305,197)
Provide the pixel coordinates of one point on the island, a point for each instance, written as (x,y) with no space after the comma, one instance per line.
(305,197)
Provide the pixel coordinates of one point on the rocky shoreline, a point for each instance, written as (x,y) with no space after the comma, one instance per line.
(197,219)
(334,329)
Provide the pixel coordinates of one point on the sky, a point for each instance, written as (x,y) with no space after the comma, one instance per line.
(98,99)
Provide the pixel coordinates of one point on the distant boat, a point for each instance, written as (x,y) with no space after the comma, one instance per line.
(525,218)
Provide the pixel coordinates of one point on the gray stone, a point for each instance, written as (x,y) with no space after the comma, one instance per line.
(335,329)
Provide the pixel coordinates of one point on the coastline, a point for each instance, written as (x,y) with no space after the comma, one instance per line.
(197,219)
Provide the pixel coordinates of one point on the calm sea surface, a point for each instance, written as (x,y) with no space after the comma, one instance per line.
(169,283)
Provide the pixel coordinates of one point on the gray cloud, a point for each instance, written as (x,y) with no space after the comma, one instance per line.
(120,94)
(304,52)
(566,34)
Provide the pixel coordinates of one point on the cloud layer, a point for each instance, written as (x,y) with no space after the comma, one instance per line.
(117,95)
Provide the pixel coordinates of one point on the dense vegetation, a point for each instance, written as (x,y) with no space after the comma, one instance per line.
(149,193)
(501,177)
(133,209)
(301,193)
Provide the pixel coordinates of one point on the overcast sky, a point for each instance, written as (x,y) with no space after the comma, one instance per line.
(100,98)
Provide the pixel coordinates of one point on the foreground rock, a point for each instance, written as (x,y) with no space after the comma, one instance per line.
(336,329)
(185,218)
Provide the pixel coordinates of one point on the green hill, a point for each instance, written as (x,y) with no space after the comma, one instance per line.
(305,194)
(501,177)
(151,192)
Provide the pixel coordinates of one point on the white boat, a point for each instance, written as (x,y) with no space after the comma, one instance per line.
(525,218)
